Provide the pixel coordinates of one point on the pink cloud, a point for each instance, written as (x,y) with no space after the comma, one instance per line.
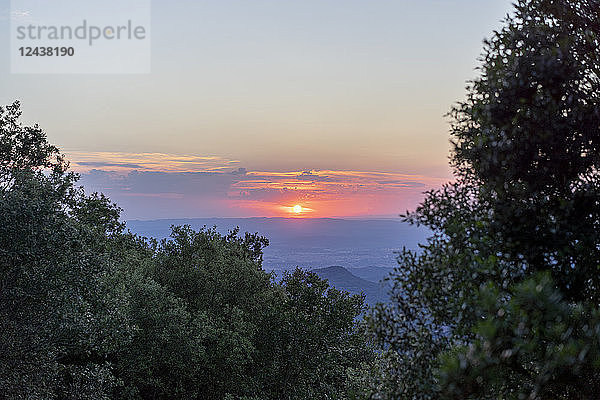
(157,185)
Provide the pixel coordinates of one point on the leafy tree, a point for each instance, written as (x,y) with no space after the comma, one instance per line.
(212,324)
(198,305)
(525,201)
(316,339)
(54,304)
(529,344)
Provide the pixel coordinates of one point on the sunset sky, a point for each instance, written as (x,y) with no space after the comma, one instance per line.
(253,107)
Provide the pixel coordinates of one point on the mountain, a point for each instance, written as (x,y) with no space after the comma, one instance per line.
(341,278)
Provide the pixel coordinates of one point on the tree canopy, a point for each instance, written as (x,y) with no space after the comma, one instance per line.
(467,319)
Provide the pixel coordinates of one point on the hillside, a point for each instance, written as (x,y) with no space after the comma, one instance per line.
(341,278)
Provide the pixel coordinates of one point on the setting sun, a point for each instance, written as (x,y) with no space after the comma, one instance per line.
(297,209)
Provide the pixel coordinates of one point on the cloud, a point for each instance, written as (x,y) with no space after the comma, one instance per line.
(98,164)
(153,182)
(157,185)
(160,162)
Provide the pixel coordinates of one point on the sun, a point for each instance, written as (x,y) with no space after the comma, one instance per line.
(297,209)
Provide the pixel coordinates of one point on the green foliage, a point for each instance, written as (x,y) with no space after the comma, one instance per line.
(57,314)
(210,323)
(525,201)
(89,311)
(529,132)
(198,306)
(531,343)
(315,339)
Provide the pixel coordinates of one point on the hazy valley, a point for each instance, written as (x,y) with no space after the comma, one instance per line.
(353,255)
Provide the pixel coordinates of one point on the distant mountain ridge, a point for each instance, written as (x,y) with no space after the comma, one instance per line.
(310,242)
(342,279)
(373,274)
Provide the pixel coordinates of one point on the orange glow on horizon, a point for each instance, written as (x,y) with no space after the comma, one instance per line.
(297,210)
(222,187)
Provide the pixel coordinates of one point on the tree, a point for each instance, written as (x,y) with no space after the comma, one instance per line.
(525,201)
(529,344)
(54,302)
(315,339)
(212,324)
(199,304)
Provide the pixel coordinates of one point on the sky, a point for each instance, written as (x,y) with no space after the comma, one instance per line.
(253,107)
